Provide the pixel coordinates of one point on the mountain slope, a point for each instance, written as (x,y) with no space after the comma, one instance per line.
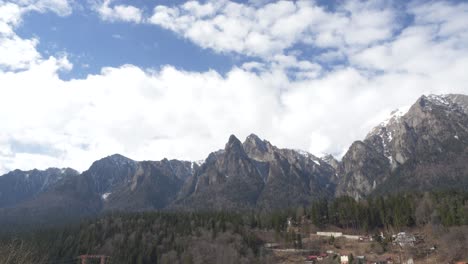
(111,183)
(422,149)
(256,174)
(228,179)
(19,186)
(153,185)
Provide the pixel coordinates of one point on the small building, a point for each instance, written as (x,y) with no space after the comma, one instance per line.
(344,259)
(330,234)
(271,245)
(351,237)
(404,239)
(312,258)
(365,238)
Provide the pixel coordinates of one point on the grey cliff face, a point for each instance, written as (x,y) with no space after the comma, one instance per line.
(433,129)
(153,185)
(360,170)
(19,186)
(256,174)
(227,179)
(332,161)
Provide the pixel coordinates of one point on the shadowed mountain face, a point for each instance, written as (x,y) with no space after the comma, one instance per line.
(119,183)
(256,174)
(425,148)
(153,185)
(112,183)
(18,186)
(227,179)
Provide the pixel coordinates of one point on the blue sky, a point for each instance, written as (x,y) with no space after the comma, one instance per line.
(80,80)
(92,44)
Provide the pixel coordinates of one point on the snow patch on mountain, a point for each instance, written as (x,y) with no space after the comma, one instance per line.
(105,195)
(308,155)
(395,115)
(442,100)
(386,130)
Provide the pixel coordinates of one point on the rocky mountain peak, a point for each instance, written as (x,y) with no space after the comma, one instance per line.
(234,146)
(384,129)
(441,103)
(435,126)
(461,100)
(257,148)
(331,160)
(117,159)
(254,141)
(110,171)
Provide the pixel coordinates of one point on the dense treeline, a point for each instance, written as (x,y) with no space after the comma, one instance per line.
(381,212)
(446,208)
(223,237)
(154,237)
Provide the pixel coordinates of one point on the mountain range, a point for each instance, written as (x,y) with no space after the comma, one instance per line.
(423,148)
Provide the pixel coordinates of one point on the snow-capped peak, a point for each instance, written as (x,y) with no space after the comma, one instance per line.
(382,129)
(105,195)
(395,115)
(308,155)
(439,99)
(386,129)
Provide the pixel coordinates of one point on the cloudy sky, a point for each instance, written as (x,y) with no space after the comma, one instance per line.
(83,79)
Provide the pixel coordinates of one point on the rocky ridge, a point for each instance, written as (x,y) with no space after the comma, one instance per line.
(423,147)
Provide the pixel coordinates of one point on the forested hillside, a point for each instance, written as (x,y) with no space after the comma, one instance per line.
(222,237)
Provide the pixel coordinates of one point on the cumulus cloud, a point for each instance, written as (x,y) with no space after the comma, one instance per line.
(59,7)
(291,100)
(15,52)
(433,42)
(124,13)
(263,30)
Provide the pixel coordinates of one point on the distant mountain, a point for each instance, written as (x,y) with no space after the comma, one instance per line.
(119,183)
(19,186)
(256,174)
(424,148)
(112,183)
(153,185)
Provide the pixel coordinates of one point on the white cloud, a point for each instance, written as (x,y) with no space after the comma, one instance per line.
(177,114)
(290,100)
(17,53)
(60,7)
(124,13)
(264,30)
(10,15)
(433,42)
